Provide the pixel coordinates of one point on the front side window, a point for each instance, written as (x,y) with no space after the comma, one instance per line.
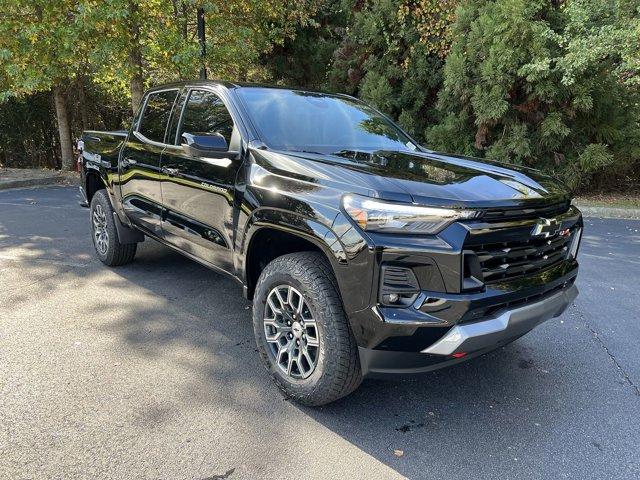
(206,114)
(157,110)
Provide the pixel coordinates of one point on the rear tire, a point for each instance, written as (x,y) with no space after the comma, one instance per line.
(104,234)
(312,327)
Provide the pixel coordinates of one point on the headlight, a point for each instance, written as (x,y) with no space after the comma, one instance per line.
(376,215)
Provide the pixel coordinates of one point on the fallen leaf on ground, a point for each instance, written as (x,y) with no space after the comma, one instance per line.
(398,453)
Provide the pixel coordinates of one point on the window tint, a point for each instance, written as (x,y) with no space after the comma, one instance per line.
(156,115)
(205,113)
(175,118)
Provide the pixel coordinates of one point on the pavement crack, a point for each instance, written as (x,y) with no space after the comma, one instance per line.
(613,358)
(225,475)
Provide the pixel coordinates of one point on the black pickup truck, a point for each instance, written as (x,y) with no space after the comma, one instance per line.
(364,253)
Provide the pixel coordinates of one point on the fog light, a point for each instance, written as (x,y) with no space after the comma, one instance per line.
(393,297)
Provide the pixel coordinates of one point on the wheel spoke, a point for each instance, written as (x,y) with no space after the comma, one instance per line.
(312,341)
(280,330)
(280,299)
(289,293)
(272,337)
(300,306)
(274,309)
(307,357)
(290,358)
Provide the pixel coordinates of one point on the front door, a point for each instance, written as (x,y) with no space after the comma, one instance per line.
(140,162)
(198,192)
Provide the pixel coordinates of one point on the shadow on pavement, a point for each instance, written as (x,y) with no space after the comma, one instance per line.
(502,405)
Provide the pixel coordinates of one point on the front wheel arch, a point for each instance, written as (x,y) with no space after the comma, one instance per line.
(270,242)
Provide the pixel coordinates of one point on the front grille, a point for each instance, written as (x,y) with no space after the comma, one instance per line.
(514,259)
(494,310)
(522,213)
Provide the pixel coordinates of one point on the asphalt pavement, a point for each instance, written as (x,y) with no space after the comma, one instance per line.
(149,371)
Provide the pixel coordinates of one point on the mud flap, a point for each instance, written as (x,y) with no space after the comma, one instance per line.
(126,234)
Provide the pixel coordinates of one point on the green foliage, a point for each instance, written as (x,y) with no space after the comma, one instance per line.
(304,57)
(552,84)
(391,55)
(546,84)
(38,42)
(37,148)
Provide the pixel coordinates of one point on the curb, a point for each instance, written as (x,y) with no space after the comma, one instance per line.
(37,182)
(609,212)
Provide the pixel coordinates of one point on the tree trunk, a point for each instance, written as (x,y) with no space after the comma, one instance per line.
(137,91)
(64,129)
(136,83)
(82,103)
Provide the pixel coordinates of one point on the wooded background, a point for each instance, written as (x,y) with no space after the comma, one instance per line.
(549,84)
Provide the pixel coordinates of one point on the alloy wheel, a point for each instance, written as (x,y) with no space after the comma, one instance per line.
(291,332)
(100,233)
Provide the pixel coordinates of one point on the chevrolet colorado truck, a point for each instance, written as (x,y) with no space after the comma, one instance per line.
(364,253)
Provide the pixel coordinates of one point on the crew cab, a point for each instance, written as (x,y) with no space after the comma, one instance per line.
(364,253)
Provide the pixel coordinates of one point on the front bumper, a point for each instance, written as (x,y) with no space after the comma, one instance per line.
(465,341)
(476,336)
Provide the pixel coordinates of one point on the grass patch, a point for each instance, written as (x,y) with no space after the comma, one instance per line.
(610,200)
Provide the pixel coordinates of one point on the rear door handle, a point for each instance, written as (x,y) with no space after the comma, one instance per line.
(172,172)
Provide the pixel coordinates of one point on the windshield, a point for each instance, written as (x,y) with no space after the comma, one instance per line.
(313,122)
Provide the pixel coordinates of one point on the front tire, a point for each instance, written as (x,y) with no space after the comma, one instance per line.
(104,234)
(302,331)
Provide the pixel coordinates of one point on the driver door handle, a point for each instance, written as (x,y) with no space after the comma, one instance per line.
(172,172)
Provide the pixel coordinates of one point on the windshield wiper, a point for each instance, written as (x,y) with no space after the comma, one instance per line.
(355,154)
(306,151)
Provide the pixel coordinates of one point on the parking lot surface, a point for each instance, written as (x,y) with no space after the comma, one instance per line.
(149,371)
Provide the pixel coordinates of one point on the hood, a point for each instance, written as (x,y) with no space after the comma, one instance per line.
(427,178)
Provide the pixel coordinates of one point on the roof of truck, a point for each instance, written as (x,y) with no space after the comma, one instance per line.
(233,85)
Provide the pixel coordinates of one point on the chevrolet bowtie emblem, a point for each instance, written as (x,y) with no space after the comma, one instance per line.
(546,227)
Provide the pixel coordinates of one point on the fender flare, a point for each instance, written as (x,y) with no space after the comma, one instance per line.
(293,223)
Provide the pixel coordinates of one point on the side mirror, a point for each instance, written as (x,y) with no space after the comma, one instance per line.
(210,145)
(204,144)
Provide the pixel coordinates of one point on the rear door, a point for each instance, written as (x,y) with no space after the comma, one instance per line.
(140,161)
(198,192)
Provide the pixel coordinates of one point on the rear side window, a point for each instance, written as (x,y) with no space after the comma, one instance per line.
(153,122)
(205,113)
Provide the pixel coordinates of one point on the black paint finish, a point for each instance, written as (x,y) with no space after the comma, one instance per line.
(212,208)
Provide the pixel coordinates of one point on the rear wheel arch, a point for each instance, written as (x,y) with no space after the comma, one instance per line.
(93,183)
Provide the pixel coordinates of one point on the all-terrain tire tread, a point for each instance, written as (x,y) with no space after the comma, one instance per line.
(342,374)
